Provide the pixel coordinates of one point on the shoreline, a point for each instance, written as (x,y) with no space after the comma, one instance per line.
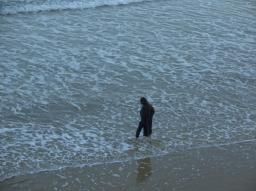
(132,159)
(229,167)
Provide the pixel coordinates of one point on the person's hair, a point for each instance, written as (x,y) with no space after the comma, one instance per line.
(143,101)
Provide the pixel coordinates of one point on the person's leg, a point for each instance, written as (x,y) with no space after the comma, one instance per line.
(139,130)
(146,131)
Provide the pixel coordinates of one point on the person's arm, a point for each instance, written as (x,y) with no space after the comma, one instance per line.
(153,110)
(143,116)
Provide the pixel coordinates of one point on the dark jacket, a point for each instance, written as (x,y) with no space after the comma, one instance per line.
(146,115)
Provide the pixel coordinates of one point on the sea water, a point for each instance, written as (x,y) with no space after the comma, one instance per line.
(72,73)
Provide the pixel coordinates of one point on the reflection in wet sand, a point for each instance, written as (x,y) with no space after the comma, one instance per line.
(144,170)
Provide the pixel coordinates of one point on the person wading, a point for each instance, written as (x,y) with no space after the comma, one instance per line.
(146,114)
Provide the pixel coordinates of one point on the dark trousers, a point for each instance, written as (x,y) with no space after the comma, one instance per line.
(146,130)
(139,130)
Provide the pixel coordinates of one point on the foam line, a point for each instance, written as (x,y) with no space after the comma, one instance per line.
(23,7)
(137,158)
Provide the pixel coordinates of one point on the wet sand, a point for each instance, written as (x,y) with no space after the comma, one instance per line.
(223,168)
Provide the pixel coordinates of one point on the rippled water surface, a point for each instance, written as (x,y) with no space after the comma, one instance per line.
(71,79)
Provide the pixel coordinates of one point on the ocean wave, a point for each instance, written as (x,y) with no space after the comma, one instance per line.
(30,6)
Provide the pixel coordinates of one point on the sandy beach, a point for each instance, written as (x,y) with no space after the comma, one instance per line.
(221,168)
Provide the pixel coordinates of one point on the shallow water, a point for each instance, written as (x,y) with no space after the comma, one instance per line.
(70,80)
(224,168)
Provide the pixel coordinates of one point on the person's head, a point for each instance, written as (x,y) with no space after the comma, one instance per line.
(143,101)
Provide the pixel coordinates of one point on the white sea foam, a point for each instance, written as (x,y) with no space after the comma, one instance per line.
(9,7)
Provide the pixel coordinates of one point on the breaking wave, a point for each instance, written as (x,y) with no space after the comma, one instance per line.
(28,6)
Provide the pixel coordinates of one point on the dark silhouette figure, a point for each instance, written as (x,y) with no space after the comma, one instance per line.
(144,170)
(146,114)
